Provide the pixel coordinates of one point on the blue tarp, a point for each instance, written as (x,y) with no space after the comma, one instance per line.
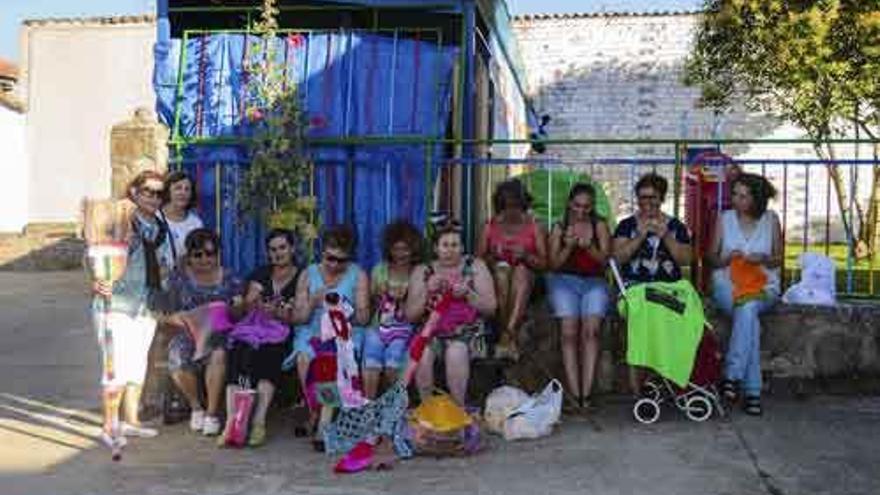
(353,84)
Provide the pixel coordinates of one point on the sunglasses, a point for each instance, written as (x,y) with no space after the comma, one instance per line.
(154,193)
(197,255)
(336,259)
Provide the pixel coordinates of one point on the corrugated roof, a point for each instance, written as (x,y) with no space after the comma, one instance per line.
(84,21)
(580,15)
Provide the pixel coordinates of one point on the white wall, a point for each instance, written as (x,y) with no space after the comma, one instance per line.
(82,77)
(13,170)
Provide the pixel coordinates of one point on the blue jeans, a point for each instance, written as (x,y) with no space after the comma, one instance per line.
(743,360)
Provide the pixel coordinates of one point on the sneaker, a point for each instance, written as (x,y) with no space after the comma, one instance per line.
(112,443)
(211,426)
(752,405)
(197,420)
(129,430)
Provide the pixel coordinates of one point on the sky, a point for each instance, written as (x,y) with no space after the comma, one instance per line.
(12,12)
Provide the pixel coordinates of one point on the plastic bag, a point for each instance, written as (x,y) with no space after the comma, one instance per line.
(535,417)
(499,404)
(817,284)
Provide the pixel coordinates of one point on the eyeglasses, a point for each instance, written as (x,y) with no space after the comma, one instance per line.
(197,255)
(154,193)
(336,259)
(277,249)
(648,197)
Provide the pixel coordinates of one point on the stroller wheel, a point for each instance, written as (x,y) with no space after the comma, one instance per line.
(698,408)
(646,411)
(651,390)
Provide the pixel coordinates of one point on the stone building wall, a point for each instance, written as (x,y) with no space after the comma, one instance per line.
(80,76)
(613,76)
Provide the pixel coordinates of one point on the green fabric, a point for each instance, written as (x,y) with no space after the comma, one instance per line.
(550,188)
(658,337)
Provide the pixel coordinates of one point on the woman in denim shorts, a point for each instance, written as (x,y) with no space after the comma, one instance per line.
(579,248)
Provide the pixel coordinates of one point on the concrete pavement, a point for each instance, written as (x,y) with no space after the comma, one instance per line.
(48,417)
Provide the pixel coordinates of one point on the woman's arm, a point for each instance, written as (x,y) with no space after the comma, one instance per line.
(538,261)
(362,299)
(302,303)
(483,245)
(776,259)
(713,255)
(601,251)
(417,295)
(681,252)
(559,251)
(623,248)
(483,298)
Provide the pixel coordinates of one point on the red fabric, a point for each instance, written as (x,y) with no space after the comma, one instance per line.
(582,262)
(503,245)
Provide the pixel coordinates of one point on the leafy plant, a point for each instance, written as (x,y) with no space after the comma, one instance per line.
(273,185)
(813,63)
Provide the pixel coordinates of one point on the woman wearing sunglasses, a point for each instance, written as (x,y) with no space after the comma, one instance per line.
(200,281)
(336,273)
(466,281)
(651,246)
(131,314)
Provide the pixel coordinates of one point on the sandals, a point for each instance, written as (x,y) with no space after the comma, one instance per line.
(752,405)
(729,390)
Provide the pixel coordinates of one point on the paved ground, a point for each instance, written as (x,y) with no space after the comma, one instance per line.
(48,361)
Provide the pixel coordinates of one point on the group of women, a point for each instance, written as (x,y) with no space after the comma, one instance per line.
(174,272)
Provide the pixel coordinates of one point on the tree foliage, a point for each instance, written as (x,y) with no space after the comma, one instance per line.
(273,184)
(813,63)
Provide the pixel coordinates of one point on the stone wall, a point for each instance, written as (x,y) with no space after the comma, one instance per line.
(807,344)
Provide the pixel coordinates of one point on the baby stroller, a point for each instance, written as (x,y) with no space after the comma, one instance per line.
(698,395)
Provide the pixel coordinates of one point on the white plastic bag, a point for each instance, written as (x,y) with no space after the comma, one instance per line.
(499,404)
(817,282)
(535,417)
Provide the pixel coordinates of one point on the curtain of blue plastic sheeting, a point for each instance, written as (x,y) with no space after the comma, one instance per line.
(352,84)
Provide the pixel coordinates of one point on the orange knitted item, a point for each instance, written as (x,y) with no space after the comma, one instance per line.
(748,279)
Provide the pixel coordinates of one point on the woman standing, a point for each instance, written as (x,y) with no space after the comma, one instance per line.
(515,247)
(257,348)
(179,211)
(130,314)
(579,248)
(465,280)
(747,252)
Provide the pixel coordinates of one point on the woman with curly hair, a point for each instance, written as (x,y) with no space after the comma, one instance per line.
(386,342)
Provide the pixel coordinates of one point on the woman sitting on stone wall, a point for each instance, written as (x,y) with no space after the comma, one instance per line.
(463,284)
(514,246)
(747,252)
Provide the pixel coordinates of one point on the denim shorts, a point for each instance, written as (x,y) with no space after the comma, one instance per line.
(302,343)
(379,355)
(573,296)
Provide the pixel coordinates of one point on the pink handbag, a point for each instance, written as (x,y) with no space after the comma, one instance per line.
(243,402)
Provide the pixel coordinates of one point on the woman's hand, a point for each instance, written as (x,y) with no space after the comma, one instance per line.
(102,288)
(437,284)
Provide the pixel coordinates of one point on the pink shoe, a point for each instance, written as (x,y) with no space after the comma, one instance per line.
(359,458)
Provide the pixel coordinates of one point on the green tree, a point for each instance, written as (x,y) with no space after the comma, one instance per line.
(814,63)
(273,184)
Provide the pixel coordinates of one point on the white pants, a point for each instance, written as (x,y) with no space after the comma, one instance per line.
(132,337)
